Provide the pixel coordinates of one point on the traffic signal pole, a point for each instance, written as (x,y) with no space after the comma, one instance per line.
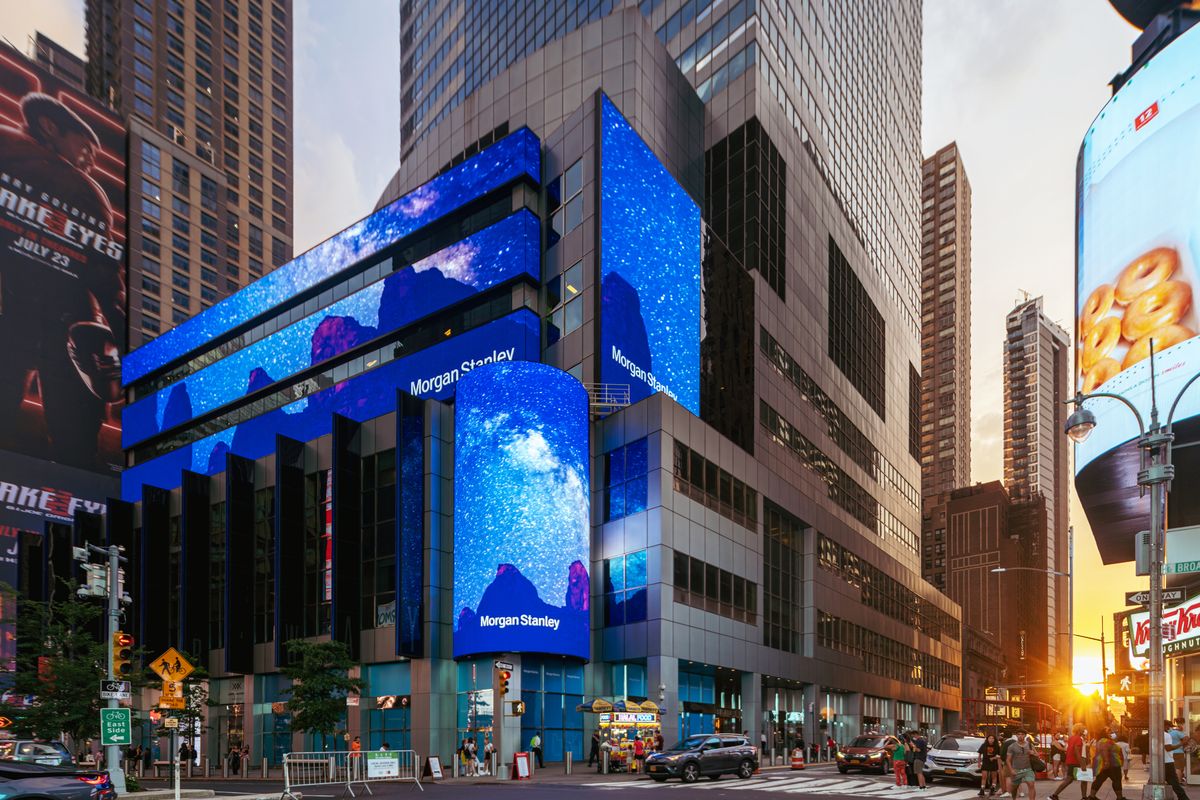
(112,753)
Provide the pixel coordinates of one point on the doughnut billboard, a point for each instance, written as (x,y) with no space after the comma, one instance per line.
(1137,273)
(521,512)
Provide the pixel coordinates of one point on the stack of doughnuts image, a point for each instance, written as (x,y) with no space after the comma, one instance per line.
(1147,303)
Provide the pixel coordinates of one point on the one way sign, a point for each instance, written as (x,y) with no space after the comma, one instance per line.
(1142,598)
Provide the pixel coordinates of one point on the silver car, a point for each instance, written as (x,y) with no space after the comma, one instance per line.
(955,756)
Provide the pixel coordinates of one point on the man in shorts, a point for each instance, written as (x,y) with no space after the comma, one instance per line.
(1075,760)
(920,747)
(1018,762)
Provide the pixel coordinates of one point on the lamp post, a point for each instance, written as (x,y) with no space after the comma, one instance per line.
(1155,473)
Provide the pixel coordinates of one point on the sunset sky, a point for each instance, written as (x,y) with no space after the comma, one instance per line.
(1015,82)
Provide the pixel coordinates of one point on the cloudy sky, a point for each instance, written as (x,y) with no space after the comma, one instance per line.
(1015,82)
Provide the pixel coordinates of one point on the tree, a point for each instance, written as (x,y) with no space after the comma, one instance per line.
(60,665)
(320,683)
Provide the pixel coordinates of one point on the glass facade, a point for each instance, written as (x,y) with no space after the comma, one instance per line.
(552,689)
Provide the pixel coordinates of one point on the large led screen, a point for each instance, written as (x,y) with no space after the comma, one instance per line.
(1138,248)
(62,296)
(649,270)
(429,373)
(516,156)
(497,254)
(521,512)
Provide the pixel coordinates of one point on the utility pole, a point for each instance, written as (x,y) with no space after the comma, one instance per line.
(112,754)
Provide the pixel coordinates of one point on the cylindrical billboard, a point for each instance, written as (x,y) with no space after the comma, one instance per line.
(1137,271)
(521,512)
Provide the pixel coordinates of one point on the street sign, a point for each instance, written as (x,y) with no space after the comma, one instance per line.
(1142,598)
(116,727)
(172,689)
(171,722)
(171,666)
(518,707)
(114,690)
(176,703)
(505,665)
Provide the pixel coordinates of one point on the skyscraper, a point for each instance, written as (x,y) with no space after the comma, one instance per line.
(207,92)
(945,323)
(1036,453)
(58,61)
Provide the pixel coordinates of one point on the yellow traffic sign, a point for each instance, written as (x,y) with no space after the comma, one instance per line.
(171,666)
(172,689)
(175,703)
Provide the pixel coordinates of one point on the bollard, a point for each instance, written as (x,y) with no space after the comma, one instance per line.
(603,762)
(189,768)
(207,767)
(568,762)
(265,766)
(224,768)
(495,764)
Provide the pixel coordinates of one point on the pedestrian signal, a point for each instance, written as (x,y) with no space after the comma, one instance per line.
(122,654)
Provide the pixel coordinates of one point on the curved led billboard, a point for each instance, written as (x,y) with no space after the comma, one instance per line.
(1138,247)
(649,270)
(521,512)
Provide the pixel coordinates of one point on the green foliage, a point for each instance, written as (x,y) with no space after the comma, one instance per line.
(60,662)
(320,683)
(132,784)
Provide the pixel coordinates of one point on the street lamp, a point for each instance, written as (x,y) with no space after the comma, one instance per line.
(1155,473)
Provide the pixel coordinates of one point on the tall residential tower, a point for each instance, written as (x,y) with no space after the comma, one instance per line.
(207,92)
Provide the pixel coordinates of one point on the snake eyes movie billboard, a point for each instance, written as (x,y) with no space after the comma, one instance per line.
(62,297)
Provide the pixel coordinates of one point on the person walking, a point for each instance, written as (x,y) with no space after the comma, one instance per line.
(535,745)
(639,754)
(1126,754)
(1172,776)
(1058,752)
(989,765)
(1075,759)
(899,766)
(594,756)
(1019,751)
(1107,764)
(920,750)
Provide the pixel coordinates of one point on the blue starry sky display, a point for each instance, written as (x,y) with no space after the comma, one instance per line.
(521,499)
(649,269)
(369,395)
(499,253)
(516,155)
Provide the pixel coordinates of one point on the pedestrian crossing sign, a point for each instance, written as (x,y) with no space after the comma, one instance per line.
(172,666)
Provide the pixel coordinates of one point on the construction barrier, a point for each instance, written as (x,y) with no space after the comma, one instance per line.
(797,759)
(348,768)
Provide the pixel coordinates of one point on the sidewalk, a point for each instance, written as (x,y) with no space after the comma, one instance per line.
(554,774)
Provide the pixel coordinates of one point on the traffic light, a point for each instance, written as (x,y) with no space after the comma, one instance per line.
(122,654)
(504,675)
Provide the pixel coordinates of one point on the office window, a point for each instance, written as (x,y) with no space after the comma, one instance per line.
(564,303)
(264,565)
(625,589)
(625,481)
(378,572)
(713,589)
(782,571)
(857,332)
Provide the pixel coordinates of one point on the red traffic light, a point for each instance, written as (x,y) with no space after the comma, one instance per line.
(503,676)
(123,639)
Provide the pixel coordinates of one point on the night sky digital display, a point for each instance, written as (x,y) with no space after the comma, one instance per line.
(649,270)
(521,512)
(430,373)
(498,253)
(513,157)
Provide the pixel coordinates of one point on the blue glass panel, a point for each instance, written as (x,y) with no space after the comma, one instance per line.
(574,678)
(637,680)
(635,569)
(552,746)
(516,156)
(614,610)
(636,458)
(365,397)
(554,677)
(616,466)
(614,574)
(411,530)
(635,495)
(616,501)
(554,710)
(522,532)
(488,258)
(572,716)
(635,606)
(649,270)
(531,675)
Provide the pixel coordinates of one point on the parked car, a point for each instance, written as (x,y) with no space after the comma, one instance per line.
(955,756)
(872,751)
(19,780)
(707,754)
(51,754)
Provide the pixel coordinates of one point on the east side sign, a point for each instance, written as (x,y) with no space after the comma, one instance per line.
(1181,630)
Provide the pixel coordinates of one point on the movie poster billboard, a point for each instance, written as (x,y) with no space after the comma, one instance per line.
(649,270)
(62,294)
(522,535)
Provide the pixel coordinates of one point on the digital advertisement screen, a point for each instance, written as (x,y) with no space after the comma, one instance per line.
(497,254)
(516,156)
(62,273)
(649,270)
(1138,248)
(429,373)
(521,512)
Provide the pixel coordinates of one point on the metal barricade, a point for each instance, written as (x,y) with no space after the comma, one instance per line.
(348,768)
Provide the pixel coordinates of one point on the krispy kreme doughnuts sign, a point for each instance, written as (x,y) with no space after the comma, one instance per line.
(1181,632)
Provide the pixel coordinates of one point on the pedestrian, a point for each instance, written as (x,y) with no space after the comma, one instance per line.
(1169,757)
(1126,754)
(234,760)
(989,765)
(1058,750)
(594,755)
(489,748)
(1107,764)
(385,747)
(1142,743)
(899,766)
(535,745)
(920,751)
(659,742)
(1019,751)
(1005,771)
(1074,758)
(1178,738)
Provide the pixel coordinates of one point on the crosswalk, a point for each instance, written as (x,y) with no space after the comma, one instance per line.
(812,784)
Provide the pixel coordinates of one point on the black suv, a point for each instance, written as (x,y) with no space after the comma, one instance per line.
(708,754)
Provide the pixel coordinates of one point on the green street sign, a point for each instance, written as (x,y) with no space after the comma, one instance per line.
(116,727)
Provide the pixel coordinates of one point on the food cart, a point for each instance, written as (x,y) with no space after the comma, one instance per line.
(622,722)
